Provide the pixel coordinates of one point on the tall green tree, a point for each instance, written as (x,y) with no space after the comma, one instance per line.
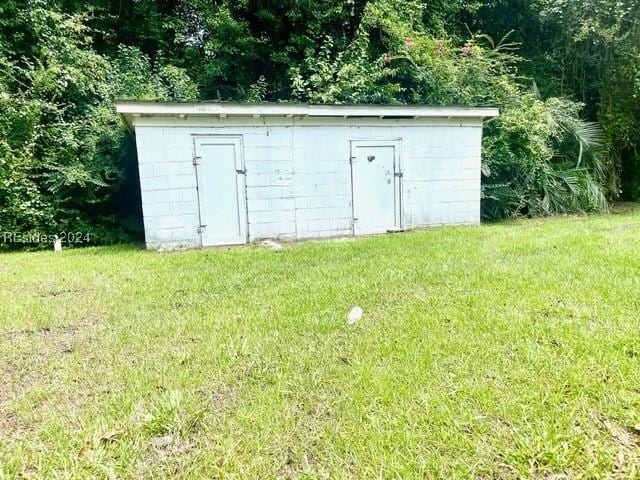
(588,50)
(63,150)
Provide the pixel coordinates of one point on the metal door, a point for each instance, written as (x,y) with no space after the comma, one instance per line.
(375,180)
(222,200)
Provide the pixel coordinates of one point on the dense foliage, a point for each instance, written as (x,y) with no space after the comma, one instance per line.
(63,150)
(554,67)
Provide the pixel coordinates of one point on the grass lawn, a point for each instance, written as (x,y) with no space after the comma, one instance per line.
(508,350)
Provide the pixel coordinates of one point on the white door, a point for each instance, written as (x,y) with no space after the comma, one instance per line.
(375,176)
(221,190)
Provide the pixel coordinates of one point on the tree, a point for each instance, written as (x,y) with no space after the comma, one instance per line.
(588,50)
(62,147)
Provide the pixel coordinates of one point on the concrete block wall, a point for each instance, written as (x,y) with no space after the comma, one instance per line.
(322,182)
(270,182)
(441,183)
(298,181)
(168,188)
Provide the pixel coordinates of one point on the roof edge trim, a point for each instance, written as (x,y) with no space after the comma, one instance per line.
(164,109)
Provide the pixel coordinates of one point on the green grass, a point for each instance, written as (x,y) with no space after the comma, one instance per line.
(504,351)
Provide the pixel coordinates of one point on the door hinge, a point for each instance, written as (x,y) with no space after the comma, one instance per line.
(200,228)
(196,159)
(351,159)
(241,172)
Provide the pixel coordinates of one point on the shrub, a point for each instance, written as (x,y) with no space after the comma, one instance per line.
(63,150)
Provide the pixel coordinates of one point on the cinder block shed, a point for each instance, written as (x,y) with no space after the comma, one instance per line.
(230,173)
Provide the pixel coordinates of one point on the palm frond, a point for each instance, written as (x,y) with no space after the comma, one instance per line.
(595,195)
(589,136)
(571,180)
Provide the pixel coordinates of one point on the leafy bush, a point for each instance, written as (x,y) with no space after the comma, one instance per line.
(63,149)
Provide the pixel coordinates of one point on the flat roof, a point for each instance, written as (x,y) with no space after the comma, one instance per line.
(137,108)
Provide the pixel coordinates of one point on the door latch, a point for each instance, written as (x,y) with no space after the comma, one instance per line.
(398,174)
(200,228)
(241,172)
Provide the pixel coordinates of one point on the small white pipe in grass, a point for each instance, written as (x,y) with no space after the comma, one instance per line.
(57,244)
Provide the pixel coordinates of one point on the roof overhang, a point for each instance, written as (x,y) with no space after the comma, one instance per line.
(132,109)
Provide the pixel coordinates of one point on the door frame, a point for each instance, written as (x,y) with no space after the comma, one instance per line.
(222,139)
(396,143)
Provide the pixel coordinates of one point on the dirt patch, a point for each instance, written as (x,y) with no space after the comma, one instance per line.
(11,423)
(218,399)
(51,331)
(627,441)
(28,359)
(624,207)
(60,292)
(294,465)
(622,228)
(163,448)
(165,457)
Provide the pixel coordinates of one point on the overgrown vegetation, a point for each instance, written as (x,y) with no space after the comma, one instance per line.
(554,67)
(506,351)
(65,161)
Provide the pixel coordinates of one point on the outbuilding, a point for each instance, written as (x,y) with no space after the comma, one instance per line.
(231,173)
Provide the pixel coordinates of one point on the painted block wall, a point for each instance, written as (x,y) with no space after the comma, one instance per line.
(298,176)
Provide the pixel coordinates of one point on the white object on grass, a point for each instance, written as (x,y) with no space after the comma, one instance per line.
(57,244)
(275,245)
(354,315)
